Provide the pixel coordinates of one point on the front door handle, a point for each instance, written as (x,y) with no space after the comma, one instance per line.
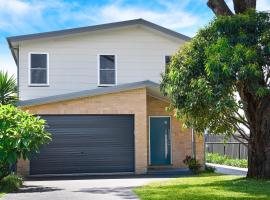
(166,144)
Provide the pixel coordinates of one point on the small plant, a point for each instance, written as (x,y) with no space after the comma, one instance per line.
(209,169)
(11,183)
(192,164)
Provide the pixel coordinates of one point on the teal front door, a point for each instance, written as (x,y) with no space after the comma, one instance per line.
(160,141)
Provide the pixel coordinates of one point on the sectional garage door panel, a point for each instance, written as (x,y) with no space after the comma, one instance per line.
(87,144)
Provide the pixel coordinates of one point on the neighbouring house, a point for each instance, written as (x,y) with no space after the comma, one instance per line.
(98,89)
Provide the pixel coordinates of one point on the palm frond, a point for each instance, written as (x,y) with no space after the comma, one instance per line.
(8,89)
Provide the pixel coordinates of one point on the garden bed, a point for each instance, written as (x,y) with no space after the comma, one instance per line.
(225,160)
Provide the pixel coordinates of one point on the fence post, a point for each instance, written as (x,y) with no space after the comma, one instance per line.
(224,150)
(239,149)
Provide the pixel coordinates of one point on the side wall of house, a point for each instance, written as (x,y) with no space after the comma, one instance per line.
(73,60)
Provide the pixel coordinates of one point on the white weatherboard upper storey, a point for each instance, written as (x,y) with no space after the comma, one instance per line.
(73,59)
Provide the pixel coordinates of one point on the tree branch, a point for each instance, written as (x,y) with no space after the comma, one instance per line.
(241,6)
(241,132)
(251,4)
(219,7)
(239,129)
(236,137)
(240,121)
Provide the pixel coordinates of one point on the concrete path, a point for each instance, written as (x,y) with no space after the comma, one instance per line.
(223,169)
(91,188)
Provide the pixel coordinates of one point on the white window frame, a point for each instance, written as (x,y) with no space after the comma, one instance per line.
(29,70)
(98,70)
(165,59)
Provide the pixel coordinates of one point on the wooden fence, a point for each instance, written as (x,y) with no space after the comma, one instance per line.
(231,148)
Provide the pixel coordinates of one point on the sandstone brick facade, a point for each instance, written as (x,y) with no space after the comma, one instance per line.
(181,138)
(135,102)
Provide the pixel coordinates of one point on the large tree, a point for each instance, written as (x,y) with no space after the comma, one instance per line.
(220,80)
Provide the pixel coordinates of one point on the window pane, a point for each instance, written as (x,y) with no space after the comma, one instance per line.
(38,76)
(107,62)
(38,60)
(167,60)
(107,77)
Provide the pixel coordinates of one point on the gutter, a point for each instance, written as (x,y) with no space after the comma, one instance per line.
(12,51)
(16,61)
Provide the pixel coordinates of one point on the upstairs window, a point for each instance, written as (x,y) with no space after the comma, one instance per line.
(167,60)
(107,70)
(38,69)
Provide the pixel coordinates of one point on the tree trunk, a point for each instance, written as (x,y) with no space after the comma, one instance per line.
(259,159)
(241,6)
(4,166)
(219,7)
(259,143)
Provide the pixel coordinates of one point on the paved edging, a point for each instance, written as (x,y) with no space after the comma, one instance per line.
(224,169)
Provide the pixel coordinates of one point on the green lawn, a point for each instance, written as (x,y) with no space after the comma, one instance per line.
(206,186)
(1,194)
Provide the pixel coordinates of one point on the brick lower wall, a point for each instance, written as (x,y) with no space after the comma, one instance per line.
(135,102)
(128,102)
(200,151)
(181,137)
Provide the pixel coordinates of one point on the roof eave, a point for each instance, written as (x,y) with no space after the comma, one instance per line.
(98,27)
(90,93)
(12,51)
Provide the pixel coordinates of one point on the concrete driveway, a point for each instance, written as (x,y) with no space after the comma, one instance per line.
(96,188)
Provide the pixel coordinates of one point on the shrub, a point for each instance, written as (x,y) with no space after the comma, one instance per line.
(225,160)
(192,164)
(209,169)
(21,134)
(11,183)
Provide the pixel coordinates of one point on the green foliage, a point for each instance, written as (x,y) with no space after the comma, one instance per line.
(225,160)
(11,183)
(20,135)
(8,89)
(209,169)
(192,164)
(204,76)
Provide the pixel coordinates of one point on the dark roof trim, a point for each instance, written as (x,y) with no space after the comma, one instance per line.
(89,93)
(98,27)
(12,52)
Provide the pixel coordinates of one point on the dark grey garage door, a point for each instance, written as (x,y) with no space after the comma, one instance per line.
(86,144)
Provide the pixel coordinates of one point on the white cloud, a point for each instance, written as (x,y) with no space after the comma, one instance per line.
(22,17)
(15,6)
(7,63)
(263,5)
(17,15)
(173,18)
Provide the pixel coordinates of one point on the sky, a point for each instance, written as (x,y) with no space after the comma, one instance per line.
(19,17)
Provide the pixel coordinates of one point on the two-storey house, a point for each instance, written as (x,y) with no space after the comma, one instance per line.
(98,89)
